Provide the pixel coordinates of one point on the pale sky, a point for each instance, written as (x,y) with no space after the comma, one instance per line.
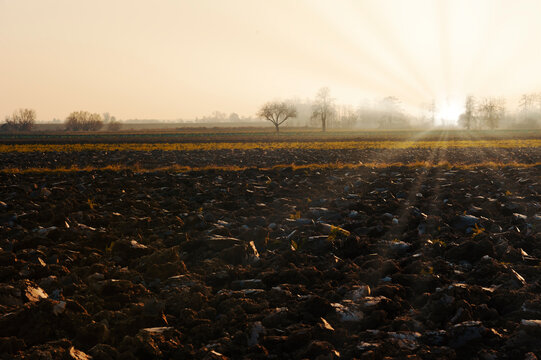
(173,59)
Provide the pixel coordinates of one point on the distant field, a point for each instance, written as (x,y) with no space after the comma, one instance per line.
(311,145)
(402,219)
(259,135)
(245,148)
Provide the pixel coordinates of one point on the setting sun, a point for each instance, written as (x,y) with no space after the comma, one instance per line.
(449,112)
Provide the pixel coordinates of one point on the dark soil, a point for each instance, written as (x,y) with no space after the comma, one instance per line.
(263,158)
(368,263)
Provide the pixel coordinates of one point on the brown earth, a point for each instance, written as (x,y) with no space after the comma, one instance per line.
(346,263)
(264,158)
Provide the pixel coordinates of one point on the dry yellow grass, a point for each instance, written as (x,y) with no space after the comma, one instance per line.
(180,168)
(316,145)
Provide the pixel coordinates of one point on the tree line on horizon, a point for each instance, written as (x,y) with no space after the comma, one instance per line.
(489,112)
(484,113)
(23,120)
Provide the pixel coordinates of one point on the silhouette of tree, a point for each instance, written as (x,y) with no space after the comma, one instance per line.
(277,113)
(432,109)
(20,120)
(83,121)
(391,111)
(468,118)
(323,107)
(491,111)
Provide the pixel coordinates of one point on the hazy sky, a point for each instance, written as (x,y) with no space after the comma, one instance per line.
(181,59)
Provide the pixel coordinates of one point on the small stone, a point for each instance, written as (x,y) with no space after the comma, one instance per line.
(78,354)
(318,212)
(35,293)
(135,245)
(157,330)
(519,217)
(326,325)
(59,307)
(466,332)
(358,292)
(463,222)
(320,349)
(364,346)
(304,221)
(10,296)
(218,242)
(533,323)
(257,330)
(45,231)
(45,193)
(248,284)
(388,216)
(348,312)
(435,337)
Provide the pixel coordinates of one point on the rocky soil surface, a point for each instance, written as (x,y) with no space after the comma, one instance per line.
(368,263)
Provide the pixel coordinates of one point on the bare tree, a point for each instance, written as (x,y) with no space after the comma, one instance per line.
(468,118)
(348,117)
(527,103)
(529,110)
(491,111)
(432,109)
(391,112)
(83,121)
(324,107)
(277,113)
(234,117)
(111,122)
(20,120)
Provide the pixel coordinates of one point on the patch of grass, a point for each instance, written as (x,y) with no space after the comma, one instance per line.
(329,166)
(312,145)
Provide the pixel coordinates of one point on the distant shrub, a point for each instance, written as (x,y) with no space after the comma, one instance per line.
(83,121)
(113,125)
(20,120)
(111,122)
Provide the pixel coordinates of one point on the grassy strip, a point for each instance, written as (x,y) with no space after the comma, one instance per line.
(313,145)
(331,166)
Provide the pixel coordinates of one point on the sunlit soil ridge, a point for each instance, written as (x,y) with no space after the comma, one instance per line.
(181,168)
(313,145)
